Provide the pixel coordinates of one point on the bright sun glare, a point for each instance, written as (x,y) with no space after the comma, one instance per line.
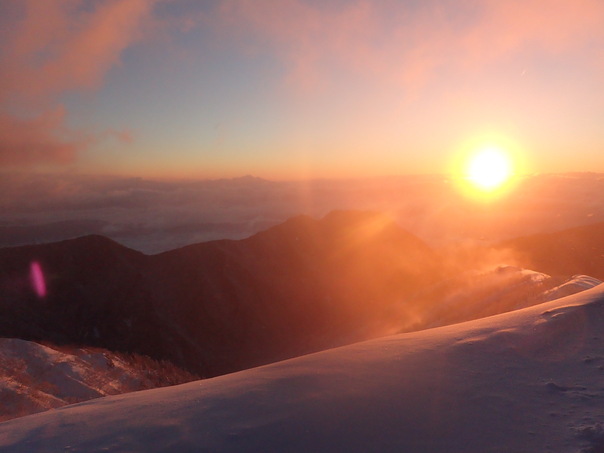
(489,168)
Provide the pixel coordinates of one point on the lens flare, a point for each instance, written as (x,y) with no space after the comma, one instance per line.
(37,279)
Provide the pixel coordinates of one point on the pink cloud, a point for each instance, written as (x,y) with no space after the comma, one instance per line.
(307,38)
(550,26)
(55,47)
(125,136)
(42,139)
(401,43)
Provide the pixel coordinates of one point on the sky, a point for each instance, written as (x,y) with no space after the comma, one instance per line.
(298,89)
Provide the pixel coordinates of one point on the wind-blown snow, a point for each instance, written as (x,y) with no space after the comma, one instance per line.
(574,285)
(531,380)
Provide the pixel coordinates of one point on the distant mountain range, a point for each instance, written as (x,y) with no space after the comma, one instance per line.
(302,286)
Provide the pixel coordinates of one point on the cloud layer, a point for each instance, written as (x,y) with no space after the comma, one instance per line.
(154,216)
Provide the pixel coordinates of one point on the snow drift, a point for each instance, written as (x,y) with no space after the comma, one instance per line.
(525,381)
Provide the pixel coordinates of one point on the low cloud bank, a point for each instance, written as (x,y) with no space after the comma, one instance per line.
(154,216)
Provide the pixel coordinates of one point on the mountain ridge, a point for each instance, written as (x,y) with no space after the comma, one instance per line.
(222,306)
(218,306)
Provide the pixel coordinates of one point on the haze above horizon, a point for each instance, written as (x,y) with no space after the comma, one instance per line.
(299,88)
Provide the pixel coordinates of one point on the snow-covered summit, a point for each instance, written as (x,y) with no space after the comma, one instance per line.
(524,381)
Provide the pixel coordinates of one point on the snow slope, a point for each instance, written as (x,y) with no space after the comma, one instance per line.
(575,284)
(35,377)
(531,380)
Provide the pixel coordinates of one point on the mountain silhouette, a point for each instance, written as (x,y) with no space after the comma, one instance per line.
(220,306)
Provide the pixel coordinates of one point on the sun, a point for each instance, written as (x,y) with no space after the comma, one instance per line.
(489,168)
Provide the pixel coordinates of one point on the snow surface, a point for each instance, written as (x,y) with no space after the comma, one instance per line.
(531,380)
(34,377)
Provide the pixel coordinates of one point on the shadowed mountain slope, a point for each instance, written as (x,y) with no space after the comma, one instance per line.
(220,306)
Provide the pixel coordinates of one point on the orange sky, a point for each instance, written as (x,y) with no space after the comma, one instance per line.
(298,88)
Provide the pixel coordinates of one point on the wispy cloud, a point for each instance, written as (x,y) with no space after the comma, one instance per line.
(545,26)
(37,140)
(405,43)
(53,48)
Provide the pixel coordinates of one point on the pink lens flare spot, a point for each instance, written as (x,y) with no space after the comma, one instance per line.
(37,279)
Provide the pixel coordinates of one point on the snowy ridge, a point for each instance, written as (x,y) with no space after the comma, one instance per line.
(477,294)
(524,381)
(574,285)
(34,377)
